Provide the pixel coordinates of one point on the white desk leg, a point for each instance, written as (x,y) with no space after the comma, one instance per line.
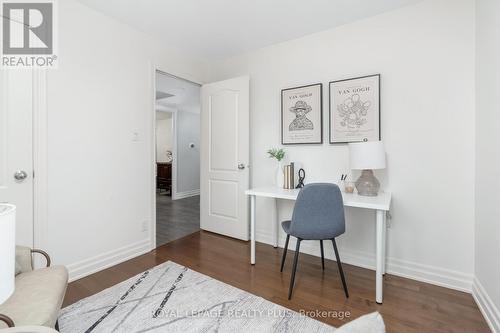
(275,223)
(252,229)
(384,244)
(379,276)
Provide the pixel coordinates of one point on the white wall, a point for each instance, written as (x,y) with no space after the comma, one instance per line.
(487,283)
(188,159)
(164,139)
(99,196)
(425,54)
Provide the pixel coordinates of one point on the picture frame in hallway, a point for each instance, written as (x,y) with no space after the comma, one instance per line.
(354,109)
(302,115)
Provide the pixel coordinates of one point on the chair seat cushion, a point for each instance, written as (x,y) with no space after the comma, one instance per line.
(286,226)
(37,298)
(310,234)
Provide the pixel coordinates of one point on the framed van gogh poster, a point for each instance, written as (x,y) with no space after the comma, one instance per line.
(355,109)
(302,115)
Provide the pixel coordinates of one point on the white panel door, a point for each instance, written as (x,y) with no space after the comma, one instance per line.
(16,149)
(225,157)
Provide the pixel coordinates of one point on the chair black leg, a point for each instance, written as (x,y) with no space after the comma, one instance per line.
(322,255)
(340,267)
(284,253)
(295,259)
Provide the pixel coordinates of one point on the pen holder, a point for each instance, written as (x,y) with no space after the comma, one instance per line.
(349,186)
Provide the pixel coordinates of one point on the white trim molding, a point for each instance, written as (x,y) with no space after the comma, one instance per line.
(490,312)
(102,261)
(40,162)
(186,194)
(152,158)
(407,269)
(173,189)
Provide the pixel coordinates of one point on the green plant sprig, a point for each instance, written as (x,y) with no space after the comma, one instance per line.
(276,153)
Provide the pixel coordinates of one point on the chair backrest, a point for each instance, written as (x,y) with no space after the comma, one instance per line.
(318,212)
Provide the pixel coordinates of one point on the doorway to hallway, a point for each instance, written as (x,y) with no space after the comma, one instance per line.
(177,135)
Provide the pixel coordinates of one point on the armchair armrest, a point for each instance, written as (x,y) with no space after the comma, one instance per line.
(43,253)
(7,320)
(24,261)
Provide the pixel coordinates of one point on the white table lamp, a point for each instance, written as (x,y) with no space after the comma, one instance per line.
(367,156)
(7,250)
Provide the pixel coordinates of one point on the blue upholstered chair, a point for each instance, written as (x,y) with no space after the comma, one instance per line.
(318,215)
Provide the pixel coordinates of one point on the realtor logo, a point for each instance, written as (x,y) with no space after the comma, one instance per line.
(28,34)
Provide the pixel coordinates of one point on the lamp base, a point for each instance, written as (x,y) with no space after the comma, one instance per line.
(367,184)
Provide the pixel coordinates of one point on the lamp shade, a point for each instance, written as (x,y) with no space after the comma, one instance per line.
(7,250)
(367,155)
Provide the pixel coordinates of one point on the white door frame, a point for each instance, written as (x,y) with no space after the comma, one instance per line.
(174,151)
(40,160)
(154,70)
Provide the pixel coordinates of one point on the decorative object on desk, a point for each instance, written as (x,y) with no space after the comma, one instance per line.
(302,177)
(355,109)
(286,177)
(367,156)
(289,176)
(7,250)
(278,154)
(302,115)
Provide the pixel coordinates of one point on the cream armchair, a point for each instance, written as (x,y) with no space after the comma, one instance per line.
(38,294)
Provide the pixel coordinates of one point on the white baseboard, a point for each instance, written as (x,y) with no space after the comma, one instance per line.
(439,276)
(490,312)
(102,261)
(425,273)
(411,270)
(186,194)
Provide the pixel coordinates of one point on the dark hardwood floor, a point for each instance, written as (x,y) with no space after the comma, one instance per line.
(409,306)
(176,218)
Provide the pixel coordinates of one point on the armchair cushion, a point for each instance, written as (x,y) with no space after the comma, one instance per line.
(370,323)
(38,297)
(23,260)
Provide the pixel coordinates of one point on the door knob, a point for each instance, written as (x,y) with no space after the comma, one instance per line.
(20,175)
(241,166)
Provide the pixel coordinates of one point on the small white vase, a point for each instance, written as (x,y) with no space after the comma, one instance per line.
(279,181)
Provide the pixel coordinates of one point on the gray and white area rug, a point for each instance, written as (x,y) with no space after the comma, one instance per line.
(173,298)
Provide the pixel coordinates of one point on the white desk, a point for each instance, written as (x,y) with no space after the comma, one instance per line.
(380,204)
